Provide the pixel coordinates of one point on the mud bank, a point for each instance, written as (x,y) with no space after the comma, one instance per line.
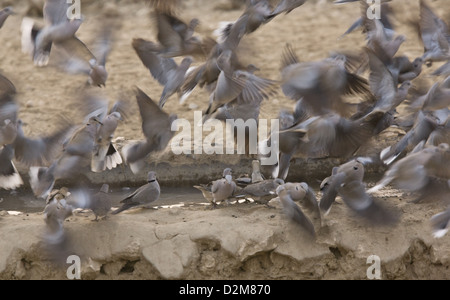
(241,241)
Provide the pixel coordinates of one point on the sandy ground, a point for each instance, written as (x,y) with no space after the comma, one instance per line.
(313,30)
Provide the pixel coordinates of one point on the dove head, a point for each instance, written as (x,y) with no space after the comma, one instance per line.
(187,61)
(7,11)
(105,188)
(227,172)
(304,186)
(278,181)
(116,116)
(417,63)
(151,177)
(280,189)
(354,170)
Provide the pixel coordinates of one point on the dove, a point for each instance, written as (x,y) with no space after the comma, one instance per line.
(423,127)
(384,86)
(55,213)
(440,223)
(9,109)
(239,85)
(10,178)
(329,135)
(143,196)
(77,155)
(5,13)
(303,193)
(434,35)
(321,84)
(40,151)
(59,31)
(354,195)
(345,173)
(176,37)
(364,21)
(165,70)
(94,64)
(418,170)
(262,192)
(293,211)
(206,189)
(100,202)
(223,189)
(156,126)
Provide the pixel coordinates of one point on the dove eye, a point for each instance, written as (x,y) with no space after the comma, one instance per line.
(355,168)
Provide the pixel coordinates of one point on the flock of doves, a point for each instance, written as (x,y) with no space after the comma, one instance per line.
(322,123)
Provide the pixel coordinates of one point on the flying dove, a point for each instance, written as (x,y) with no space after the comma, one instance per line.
(156,126)
(416,171)
(364,22)
(321,84)
(40,151)
(434,34)
(55,213)
(303,193)
(143,196)
(423,127)
(344,174)
(10,178)
(440,223)
(58,30)
(77,155)
(293,211)
(165,70)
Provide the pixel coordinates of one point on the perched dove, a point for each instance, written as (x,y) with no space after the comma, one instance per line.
(143,196)
(262,192)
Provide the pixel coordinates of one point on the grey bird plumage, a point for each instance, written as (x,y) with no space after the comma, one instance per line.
(164,70)
(434,34)
(143,196)
(344,174)
(262,192)
(76,157)
(10,178)
(58,31)
(347,181)
(100,202)
(440,223)
(156,127)
(321,84)
(5,13)
(293,211)
(220,189)
(419,170)
(106,155)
